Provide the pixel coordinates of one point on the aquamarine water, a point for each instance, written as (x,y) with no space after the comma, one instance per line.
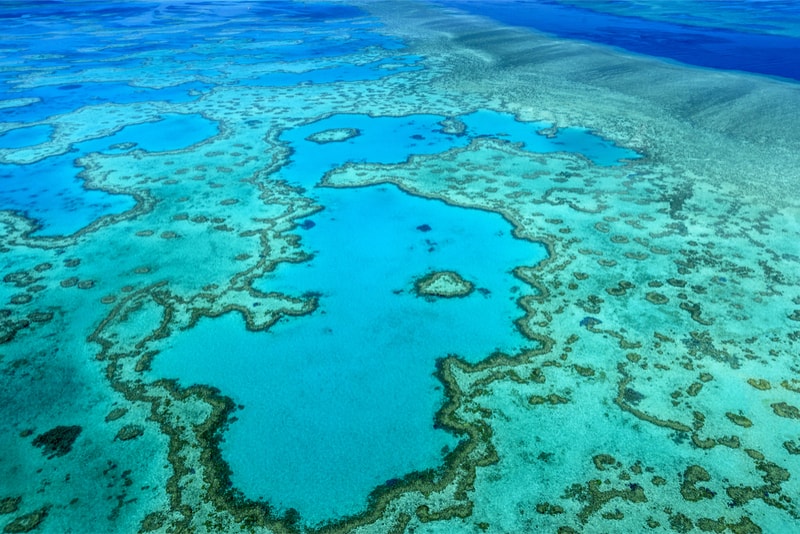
(26,136)
(170,132)
(332,386)
(50,191)
(222,226)
(571,139)
(324,392)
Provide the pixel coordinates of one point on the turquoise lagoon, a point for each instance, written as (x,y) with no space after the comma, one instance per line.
(26,136)
(323,393)
(50,192)
(216,222)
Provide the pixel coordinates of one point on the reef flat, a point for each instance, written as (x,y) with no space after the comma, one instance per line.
(633,223)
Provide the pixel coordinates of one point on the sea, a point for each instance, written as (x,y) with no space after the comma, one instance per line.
(400,266)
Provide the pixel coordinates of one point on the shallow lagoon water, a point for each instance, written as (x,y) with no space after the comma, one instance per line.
(226,321)
(50,192)
(322,393)
(57,99)
(22,137)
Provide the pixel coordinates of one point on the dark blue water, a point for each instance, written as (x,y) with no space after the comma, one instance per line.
(771,55)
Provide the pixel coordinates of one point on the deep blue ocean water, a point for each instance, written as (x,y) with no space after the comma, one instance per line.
(710,47)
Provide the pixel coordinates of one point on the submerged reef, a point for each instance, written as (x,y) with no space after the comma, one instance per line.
(335,135)
(657,387)
(446,284)
(57,441)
